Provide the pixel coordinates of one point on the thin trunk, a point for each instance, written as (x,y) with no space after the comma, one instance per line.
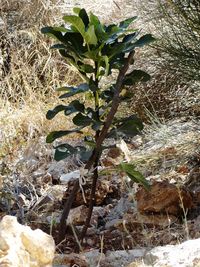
(102,135)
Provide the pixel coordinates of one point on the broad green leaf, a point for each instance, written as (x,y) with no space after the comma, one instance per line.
(92,54)
(76,10)
(57,134)
(91,113)
(134,175)
(136,76)
(87,68)
(58,46)
(112,28)
(63,151)
(117,61)
(144,40)
(85,155)
(108,94)
(74,106)
(128,127)
(75,42)
(52,113)
(88,140)
(92,85)
(50,31)
(82,88)
(97,125)
(61,29)
(99,29)
(82,120)
(106,60)
(90,36)
(76,22)
(129,37)
(83,15)
(125,23)
(70,56)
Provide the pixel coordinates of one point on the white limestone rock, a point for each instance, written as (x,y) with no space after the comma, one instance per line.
(186,254)
(22,247)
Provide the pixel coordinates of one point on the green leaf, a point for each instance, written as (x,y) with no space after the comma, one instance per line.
(117,61)
(52,113)
(90,36)
(82,120)
(58,46)
(96,125)
(82,88)
(99,29)
(125,23)
(50,31)
(85,155)
(75,42)
(128,127)
(136,76)
(88,140)
(83,15)
(76,10)
(108,94)
(129,37)
(87,68)
(144,40)
(134,175)
(63,151)
(92,54)
(106,60)
(76,22)
(74,106)
(92,85)
(57,134)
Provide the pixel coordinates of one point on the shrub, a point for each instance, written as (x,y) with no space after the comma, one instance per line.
(96,50)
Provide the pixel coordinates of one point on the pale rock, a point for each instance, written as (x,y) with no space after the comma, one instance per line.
(22,247)
(56,169)
(77,215)
(182,255)
(186,254)
(56,191)
(121,257)
(65,178)
(94,257)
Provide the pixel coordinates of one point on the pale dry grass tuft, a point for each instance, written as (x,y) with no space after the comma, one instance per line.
(30,72)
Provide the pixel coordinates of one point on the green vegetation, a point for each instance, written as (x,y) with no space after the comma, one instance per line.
(96,50)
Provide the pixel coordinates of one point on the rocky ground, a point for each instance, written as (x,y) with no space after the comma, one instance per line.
(126,217)
(127,221)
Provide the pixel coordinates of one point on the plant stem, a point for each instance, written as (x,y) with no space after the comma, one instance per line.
(95,155)
(66,210)
(95,166)
(92,200)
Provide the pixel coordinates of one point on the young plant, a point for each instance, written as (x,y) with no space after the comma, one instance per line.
(95,50)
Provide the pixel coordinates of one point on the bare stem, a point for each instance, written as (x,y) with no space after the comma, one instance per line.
(95,155)
(92,201)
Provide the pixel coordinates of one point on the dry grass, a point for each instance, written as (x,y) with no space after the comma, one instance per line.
(33,71)
(172,61)
(31,74)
